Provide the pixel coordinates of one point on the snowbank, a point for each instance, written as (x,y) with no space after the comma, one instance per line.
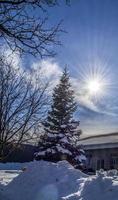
(99,187)
(60,181)
(45,181)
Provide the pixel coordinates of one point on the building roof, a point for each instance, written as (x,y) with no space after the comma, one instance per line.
(100,141)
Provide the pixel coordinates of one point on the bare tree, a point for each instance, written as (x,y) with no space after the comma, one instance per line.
(23,103)
(23,26)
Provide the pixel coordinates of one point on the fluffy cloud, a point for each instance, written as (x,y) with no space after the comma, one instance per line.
(11,57)
(49,70)
(81,96)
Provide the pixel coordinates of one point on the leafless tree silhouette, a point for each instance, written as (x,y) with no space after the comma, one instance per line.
(23,26)
(23,102)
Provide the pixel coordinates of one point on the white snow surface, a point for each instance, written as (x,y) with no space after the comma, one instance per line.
(6,176)
(58,181)
(44,181)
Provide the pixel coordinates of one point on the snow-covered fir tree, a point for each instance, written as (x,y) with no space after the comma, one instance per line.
(61,130)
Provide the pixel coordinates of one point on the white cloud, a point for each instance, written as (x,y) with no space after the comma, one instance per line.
(49,70)
(11,57)
(99,126)
(82,97)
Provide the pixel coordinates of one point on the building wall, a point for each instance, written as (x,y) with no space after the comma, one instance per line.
(102,158)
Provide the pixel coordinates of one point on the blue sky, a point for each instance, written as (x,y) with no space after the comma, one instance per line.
(91,42)
(90,48)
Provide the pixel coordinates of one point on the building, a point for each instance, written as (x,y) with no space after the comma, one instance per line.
(101,151)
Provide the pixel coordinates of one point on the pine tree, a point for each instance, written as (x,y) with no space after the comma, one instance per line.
(62,133)
(63,106)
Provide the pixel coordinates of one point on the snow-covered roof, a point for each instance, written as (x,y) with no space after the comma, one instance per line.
(100,141)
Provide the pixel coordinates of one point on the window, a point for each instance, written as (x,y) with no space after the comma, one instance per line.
(114,162)
(100,164)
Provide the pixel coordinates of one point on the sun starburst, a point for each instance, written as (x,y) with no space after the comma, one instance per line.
(95,81)
(94,86)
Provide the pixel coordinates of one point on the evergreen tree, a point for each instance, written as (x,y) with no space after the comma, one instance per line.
(61,130)
(63,107)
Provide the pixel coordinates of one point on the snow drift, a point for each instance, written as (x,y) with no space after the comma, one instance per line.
(99,187)
(45,181)
(60,181)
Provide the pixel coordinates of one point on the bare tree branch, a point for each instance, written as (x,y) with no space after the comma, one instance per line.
(23,105)
(24,26)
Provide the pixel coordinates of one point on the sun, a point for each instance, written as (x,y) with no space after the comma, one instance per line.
(95,80)
(94,86)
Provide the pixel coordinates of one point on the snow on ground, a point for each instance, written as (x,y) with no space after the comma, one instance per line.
(44,181)
(6,176)
(50,181)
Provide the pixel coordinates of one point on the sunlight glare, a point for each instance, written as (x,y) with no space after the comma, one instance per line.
(94,86)
(95,80)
